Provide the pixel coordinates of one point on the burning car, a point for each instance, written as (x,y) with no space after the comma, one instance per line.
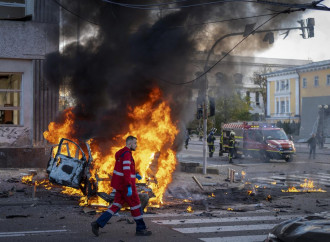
(70,170)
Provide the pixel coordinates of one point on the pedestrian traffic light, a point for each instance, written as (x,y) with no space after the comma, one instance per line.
(212,106)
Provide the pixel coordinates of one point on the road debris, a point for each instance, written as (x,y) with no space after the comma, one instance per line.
(198,183)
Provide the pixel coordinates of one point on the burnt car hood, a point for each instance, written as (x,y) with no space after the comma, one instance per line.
(303,229)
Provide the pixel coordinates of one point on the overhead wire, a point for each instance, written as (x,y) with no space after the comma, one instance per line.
(219,21)
(227,53)
(176,7)
(179,26)
(75,14)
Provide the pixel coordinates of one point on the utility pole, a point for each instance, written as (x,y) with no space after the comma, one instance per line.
(205,113)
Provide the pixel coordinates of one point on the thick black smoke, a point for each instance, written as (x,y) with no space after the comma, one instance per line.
(131,52)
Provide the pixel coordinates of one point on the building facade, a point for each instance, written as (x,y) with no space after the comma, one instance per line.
(238,71)
(29,30)
(301,94)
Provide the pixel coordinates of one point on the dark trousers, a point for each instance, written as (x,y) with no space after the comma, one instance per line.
(211,150)
(312,151)
(231,154)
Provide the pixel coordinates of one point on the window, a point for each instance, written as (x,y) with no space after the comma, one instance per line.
(10,98)
(287,106)
(13,9)
(304,83)
(282,85)
(328,80)
(282,106)
(238,78)
(287,85)
(277,107)
(316,81)
(257,99)
(277,86)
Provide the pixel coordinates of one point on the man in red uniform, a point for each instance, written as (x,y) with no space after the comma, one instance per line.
(123,180)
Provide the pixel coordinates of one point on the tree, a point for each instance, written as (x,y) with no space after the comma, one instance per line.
(261,81)
(232,108)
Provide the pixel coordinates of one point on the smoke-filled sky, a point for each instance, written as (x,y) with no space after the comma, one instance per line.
(130,51)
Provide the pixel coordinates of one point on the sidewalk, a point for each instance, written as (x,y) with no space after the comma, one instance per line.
(303,148)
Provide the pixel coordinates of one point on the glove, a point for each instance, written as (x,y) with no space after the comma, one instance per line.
(129,191)
(138,176)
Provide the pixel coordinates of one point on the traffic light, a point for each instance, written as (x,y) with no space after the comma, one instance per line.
(310,22)
(212,106)
(199,113)
(310,27)
(303,27)
(199,108)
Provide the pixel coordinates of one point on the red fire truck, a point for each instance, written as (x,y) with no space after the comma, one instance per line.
(258,140)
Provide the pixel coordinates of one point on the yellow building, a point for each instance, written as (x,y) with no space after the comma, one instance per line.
(300,94)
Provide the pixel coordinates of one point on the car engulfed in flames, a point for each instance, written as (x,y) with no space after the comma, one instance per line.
(74,171)
(88,174)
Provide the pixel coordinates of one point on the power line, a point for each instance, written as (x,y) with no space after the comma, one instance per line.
(227,53)
(146,5)
(219,21)
(75,14)
(177,7)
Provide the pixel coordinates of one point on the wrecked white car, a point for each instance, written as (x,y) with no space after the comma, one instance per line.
(74,171)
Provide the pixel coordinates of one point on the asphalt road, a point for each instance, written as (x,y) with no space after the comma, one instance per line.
(230,214)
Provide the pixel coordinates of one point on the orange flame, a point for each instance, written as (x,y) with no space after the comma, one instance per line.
(27,179)
(155,159)
(189,209)
(212,195)
(307,186)
(243,174)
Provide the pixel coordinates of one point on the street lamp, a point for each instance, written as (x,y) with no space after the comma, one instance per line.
(322,108)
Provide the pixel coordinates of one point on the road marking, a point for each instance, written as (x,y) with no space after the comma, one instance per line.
(23,233)
(213,229)
(196,213)
(223,220)
(251,238)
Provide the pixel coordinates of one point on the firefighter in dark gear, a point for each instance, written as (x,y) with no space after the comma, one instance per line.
(210,143)
(123,180)
(187,138)
(231,146)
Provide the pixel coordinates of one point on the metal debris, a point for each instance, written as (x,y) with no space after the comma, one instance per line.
(17,216)
(198,183)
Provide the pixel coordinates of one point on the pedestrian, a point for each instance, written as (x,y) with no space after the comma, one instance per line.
(231,146)
(210,143)
(187,138)
(312,146)
(201,134)
(123,180)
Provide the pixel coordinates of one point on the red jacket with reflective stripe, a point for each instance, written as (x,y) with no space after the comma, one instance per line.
(124,171)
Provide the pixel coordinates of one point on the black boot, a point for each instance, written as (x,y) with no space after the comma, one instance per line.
(143,232)
(95,228)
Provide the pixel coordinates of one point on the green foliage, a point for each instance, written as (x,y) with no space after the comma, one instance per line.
(289,127)
(231,109)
